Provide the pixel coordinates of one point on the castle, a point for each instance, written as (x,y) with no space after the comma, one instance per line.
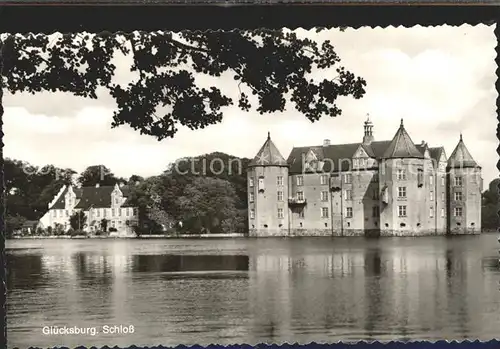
(371,188)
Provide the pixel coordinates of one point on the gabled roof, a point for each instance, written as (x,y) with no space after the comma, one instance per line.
(334,154)
(402,146)
(99,197)
(94,197)
(268,155)
(461,157)
(436,153)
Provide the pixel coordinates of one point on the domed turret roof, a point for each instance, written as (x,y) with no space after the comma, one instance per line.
(268,155)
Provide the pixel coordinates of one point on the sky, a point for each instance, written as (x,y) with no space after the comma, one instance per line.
(440,80)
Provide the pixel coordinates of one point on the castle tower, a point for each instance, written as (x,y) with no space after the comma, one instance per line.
(402,191)
(464,192)
(368,136)
(268,192)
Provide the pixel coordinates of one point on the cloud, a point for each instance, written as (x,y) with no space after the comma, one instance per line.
(439,79)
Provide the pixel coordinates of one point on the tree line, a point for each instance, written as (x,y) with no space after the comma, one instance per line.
(188,197)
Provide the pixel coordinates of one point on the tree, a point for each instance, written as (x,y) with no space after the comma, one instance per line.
(207,203)
(104,224)
(489,213)
(78,220)
(97,174)
(271,70)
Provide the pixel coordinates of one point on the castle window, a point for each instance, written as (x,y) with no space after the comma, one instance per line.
(300,195)
(300,224)
(301,213)
(375,211)
(442,196)
(280,196)
(67,213)
(431,212)
(261,183)
(280,180)
(402,211)
(251,197)
(402,192)
(324,212)
(401,174)
(324,196)
(127,212)
(347,178)
(252,214)
(300,180)
(442,180)
(431,196)
(323,179)
(458,212)
(250,182)
(135,211)
(402,225)
(348,194)
(98,212)
(458,196)
(116,201)
(420,177)
(431,179)
(326,225)
(280,213)
(442,212)
(113,223)
(119,212)
(458,181)
(112,212)
(348,212)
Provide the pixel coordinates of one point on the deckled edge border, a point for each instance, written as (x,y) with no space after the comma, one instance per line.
(406,22)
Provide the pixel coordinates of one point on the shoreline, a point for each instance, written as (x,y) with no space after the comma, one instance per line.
(180,236)
(155,236)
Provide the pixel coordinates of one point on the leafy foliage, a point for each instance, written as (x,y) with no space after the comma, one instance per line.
(271,70)
(489,213)
(78,220)
(97,174)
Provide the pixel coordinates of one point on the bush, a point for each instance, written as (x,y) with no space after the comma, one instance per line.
(111,230)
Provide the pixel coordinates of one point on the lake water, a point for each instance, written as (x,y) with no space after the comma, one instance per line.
(253,290)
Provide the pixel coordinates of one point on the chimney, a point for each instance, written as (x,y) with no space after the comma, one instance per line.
(326,143)
(423,143)
(97,185)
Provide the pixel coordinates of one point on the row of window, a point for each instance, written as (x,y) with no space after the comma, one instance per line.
(400,175)
(324,212)
(98,212)
(348,195)
(375,212)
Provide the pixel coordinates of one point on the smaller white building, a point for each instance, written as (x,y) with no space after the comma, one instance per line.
(98,203)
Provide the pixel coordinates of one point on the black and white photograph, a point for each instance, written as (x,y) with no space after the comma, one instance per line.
(251,186)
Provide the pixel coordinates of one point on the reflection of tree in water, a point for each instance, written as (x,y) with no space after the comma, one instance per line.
(24,271)
(186,263)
